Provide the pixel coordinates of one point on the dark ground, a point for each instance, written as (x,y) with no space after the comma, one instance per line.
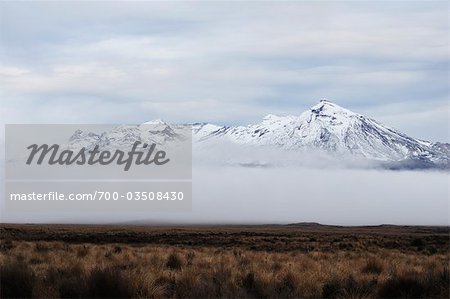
(276,238)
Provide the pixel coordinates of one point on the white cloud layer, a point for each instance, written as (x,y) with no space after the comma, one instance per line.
(289,195)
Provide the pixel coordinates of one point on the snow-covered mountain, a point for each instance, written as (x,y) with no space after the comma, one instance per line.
(330,128)
(123,136)
(326,128)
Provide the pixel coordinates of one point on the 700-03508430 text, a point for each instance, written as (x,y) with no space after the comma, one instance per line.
(100,196)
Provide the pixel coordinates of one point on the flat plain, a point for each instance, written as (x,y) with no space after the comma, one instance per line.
(304,260)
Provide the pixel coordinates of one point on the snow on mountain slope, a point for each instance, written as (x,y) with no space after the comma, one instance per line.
(335,130)
(200,130)
(325,128)
(123,136)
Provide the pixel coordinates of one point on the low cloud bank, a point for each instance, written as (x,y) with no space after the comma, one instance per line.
(233,194)
(331,196)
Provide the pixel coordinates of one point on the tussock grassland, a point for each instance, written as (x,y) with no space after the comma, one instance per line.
(56,269)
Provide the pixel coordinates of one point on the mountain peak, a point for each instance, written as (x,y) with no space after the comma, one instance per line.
(270,117)
(155,122)
(328,108)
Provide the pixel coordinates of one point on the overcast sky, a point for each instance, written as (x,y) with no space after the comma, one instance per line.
(227,63)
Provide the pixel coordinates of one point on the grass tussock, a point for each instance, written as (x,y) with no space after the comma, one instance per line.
(17,279)
(60,270)
(374,265)
(174,262)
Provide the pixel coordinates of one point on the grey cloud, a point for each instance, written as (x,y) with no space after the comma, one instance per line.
(222,62)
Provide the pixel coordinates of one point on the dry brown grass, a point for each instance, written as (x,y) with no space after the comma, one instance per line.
(60,270)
